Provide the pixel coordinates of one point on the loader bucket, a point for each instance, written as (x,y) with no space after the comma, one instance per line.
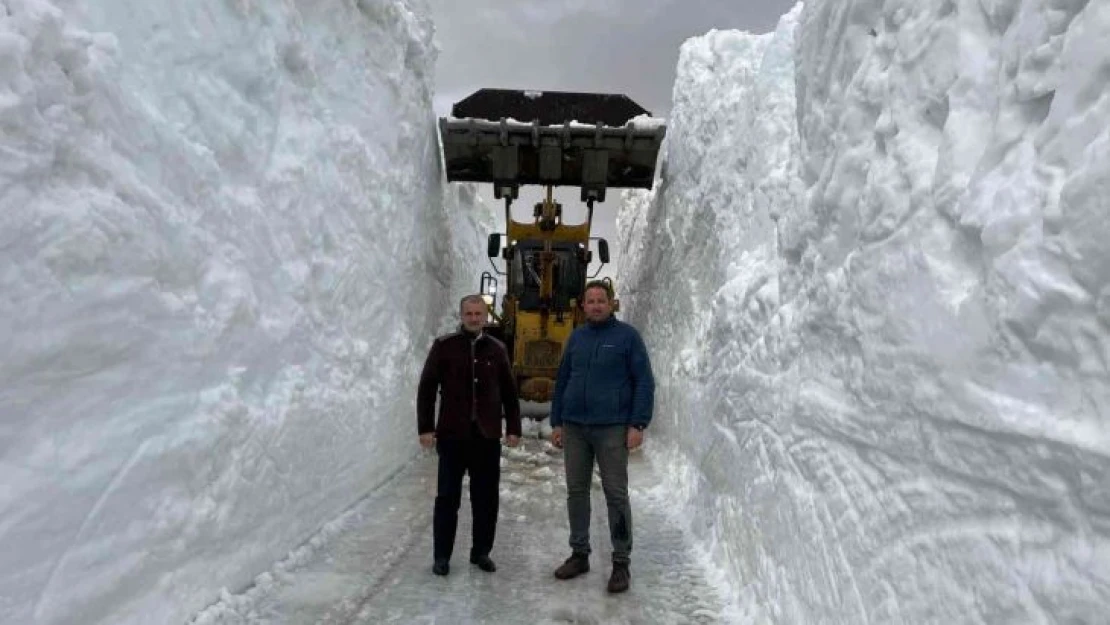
(589,140)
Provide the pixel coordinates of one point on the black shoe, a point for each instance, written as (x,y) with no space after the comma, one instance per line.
(576,564)
(618,581)
(484,563)
(441,567)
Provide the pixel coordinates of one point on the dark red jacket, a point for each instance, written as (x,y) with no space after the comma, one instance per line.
(473,377)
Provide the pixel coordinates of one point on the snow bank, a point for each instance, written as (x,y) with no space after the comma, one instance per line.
(878,310)
(224,247)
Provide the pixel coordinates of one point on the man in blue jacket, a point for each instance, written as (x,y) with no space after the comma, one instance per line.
(603,400)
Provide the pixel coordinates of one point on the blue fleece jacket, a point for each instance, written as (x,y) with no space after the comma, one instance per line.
(604,378)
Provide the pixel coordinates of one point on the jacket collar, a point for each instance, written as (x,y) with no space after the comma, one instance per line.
(609,322)
(470,335)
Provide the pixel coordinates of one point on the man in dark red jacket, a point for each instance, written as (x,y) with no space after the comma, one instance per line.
(474,378)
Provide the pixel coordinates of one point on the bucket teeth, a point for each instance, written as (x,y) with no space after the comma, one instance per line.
(512,138)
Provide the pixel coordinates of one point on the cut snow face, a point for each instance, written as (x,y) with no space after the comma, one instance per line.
(877,309)
(223,246)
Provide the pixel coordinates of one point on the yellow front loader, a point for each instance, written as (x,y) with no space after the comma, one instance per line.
(512,138)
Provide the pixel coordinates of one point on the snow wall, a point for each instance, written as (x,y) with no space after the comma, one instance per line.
(224,250)
(874,282)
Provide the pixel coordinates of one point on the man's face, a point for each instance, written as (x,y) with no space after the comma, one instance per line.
(473,316)
(597,305)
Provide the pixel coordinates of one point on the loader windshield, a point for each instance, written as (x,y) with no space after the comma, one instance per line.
(526,275)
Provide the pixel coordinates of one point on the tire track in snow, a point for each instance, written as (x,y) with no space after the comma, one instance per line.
(326,580)
(668,584)
(377,569)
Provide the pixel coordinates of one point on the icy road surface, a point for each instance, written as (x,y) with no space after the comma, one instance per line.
(373,565)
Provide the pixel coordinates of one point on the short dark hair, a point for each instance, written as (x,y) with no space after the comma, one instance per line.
(604,285)
(471,299)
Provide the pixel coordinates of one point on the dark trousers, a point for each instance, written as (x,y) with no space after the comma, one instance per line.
(608,446)
(481,457)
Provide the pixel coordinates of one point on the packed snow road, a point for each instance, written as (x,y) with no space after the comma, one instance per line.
(373,565)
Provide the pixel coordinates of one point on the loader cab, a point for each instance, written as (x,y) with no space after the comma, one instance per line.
(525,274)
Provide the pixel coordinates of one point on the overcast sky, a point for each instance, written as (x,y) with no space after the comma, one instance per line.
(611,46)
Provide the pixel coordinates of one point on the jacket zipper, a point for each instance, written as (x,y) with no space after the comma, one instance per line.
(474,380)
(590,366)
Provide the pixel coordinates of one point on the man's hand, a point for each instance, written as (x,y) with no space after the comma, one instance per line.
(512,440)
(557,436)
(427,440)
(635,438)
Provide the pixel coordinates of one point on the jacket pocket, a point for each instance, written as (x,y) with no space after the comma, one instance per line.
(610,404)
(575,397)
(624,402)
(611,353)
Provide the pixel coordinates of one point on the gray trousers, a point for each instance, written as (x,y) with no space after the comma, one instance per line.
(609,445)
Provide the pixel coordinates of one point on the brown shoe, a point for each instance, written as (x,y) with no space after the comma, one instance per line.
(618,581)
(576,564)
